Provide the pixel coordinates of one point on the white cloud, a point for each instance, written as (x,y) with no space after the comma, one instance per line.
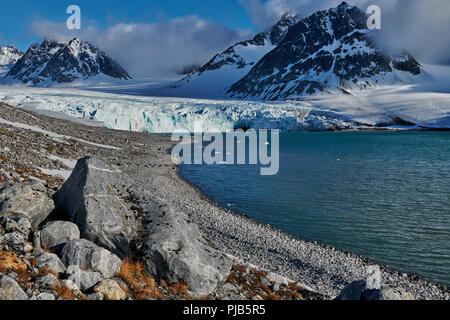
(154,49)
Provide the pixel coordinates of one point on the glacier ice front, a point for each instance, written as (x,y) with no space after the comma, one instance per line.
(332,111)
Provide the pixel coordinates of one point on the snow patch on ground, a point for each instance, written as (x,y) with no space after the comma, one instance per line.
(55,136)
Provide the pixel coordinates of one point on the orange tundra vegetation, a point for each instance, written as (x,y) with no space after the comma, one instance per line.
(11,262)
(140,284)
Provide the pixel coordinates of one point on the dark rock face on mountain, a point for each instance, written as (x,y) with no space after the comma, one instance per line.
(64,62)
(9,55)
(229,66)
(329,49)
(272,37)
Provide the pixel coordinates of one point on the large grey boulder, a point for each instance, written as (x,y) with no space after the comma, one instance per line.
(175,250)
(50,261)
(87,255)
(83,279)
(10,290)
(25,200)
(56,233)
(90,200)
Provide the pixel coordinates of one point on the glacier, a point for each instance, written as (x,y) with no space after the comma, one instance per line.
(397,107)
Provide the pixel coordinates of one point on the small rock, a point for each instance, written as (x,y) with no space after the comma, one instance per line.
(229,286)
(10,290)
(14,240)
(72,286)
(393,295)
(265,282)
(273,277)
(50,261)
(95,297)
(373,281)
(84,280)
(110,290)
(46,296)
(47,282)
(57,233)
(22,226)
(86,254)
(353,291)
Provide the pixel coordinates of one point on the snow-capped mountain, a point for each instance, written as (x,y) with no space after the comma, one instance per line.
(329,50)
(9,55)
(61,62)
(227,67)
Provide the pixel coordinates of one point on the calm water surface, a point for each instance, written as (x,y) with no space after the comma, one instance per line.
(383,195)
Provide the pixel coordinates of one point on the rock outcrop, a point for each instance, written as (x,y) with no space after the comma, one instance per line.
(90,199)
(115,214)
(175,250)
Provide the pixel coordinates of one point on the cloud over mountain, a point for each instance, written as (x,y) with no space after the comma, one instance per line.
(156,49)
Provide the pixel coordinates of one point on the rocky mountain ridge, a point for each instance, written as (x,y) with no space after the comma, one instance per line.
(9,55)
(61,62)
(328,50)
(232,64)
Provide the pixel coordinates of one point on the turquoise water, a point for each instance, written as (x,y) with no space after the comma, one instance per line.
(383,195)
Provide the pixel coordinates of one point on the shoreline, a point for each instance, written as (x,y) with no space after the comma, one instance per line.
(367,260)
(227,231)
(146,158)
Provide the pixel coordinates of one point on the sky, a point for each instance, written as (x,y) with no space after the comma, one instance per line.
(157,37)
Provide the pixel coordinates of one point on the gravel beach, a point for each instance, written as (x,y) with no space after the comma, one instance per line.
(147,160)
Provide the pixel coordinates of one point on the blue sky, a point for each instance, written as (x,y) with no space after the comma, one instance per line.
(159,37)
(17,17)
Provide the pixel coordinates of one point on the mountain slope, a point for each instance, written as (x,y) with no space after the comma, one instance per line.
(227,67)
(328,50)
(60,62)
(9,55)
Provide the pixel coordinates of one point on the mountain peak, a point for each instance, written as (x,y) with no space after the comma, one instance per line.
(63,62)
(328,50)
(9,55)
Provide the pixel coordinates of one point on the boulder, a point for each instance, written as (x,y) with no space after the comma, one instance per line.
(25,200)
(110,290)
(10,290)
(369,289)
(83,279)
(393,295)
(50,262)
(72,286)
(47,281)
(14,241)
(353,291)
(175,250)
(89,199)
(20,225)
(87,255)
(57,233)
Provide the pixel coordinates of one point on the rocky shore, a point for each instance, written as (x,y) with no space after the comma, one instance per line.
(92,213)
